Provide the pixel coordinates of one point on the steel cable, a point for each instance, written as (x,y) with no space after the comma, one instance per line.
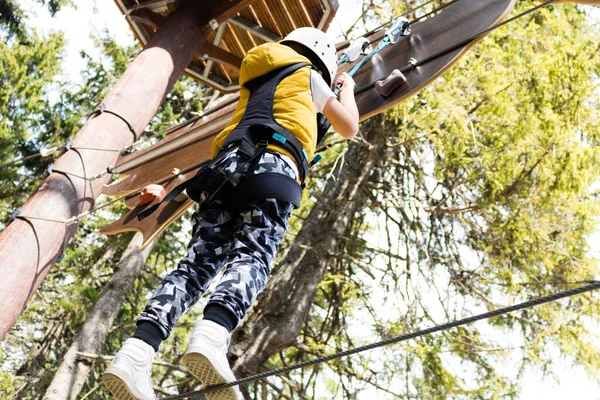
(460,44)
(398,339)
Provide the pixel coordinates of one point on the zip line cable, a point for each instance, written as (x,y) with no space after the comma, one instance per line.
(397,339)
(435,10)
(418,63)
(372,31)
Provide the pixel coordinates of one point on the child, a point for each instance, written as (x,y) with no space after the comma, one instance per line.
(240,224)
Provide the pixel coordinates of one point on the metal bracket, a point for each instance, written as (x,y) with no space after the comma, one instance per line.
(214,24)
(15,214)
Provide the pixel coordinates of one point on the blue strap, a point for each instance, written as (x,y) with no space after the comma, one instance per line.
(305,154)
(279,138)
(316,160)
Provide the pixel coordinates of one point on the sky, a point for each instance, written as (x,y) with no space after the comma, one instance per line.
(93,16)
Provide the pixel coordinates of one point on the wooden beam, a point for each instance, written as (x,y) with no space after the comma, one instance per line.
(222,9)
(254,29)
(148,17)
(217,42)
(150,4)
(209,51)
(29,247)
(215,53)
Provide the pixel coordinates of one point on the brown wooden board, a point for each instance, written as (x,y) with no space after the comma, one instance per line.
(590,2)
(458,22)
(191,143)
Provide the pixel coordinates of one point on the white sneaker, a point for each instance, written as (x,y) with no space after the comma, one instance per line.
(206,359)
(128,376)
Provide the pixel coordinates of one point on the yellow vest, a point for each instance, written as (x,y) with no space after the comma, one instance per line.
(293,106)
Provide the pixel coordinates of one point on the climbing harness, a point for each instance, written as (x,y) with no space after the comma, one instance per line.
(257,130)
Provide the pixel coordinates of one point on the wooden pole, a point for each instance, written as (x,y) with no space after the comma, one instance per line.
(29,247)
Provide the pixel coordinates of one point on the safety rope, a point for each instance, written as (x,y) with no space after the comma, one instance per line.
(16,214)
(397,339)
(414,21)
(46,152)
(42,153)
(417,63)
(435,10)
(101,109)
(109,170)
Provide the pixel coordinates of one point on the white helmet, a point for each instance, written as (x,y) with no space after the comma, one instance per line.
(319,43)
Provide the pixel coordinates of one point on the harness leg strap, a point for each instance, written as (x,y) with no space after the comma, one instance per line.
(266,186)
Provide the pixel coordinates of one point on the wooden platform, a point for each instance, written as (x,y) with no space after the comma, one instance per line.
(218,62)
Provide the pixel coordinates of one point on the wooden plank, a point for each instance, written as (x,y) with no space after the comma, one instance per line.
(254,29)
(458,22)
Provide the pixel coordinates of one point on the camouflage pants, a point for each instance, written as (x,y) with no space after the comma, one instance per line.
(245,243)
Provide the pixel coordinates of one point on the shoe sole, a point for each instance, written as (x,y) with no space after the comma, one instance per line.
(117,387)
(202,368)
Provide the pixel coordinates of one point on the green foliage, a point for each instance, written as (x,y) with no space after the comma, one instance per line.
(27,69)
(9,384)
(11,15)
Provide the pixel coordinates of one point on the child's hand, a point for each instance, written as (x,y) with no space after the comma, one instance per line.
(345,80)
(151,193)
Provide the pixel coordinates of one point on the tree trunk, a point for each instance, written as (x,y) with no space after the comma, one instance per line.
(275,321)
(72,373)
(53,344)
(29,247)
